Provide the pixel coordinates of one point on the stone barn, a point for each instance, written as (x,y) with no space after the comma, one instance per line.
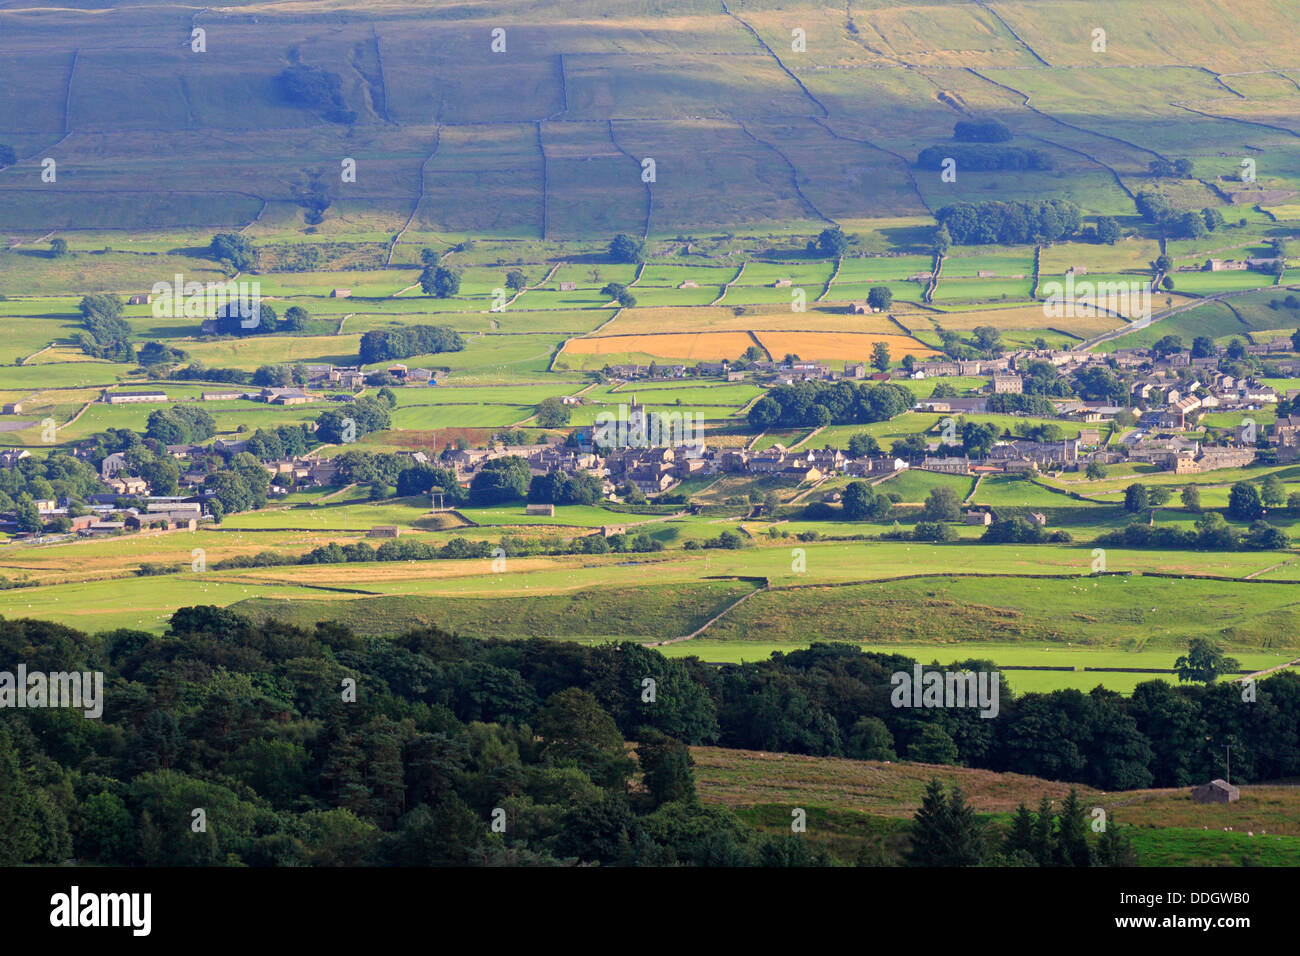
(1216,791)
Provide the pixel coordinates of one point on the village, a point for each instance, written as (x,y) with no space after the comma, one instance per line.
(1166,391)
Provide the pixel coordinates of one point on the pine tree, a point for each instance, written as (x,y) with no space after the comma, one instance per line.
(1020,838)
(1114,847)
(1071,840)
(1044,847)
(945,831)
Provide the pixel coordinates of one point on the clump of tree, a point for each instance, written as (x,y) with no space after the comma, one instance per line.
(1010,223)
(316,89)
(985,158)
(832,242)
(1211,533)
(824,403)
(552,413)
(625,248)
(619,292)
(981,131)
(381,345)
(234,250)
(105,335)
(440,281)
(154,355)
(180,425)
(1170,169)
(350,421)
(500,480)
(559,488)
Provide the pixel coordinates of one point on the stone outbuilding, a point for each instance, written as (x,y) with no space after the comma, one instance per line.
(1216,791)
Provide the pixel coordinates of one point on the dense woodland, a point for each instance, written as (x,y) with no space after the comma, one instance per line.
(257,726)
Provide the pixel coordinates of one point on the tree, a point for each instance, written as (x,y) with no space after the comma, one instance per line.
(945,831)
(1244,502)
(58,248)
(625,248)
(880,298)
(1096,470)
(1108,230)
(880,356)
(1071,838)
(1136,498)
(1115,848)
(1203,347)
(1203,662)
(832,242)
(500,480)
(296,318)
(1272,492)
(1157,495)
(942,241)
(516,280)
(861,503)
(943,504)
(552,413)
(933,745)
(667,768)
(1191,498)
(870,739)
(1018,844)
(233,248)
(440,282)
(863,445)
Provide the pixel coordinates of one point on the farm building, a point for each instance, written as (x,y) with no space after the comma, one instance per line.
(11,409)
(383,531)
(143,299)
(568,286)
(1216,791)
(548,510)
(979,517)
(221,396)
(782,284)
(859,308)
(689,284)
(124,398)
(340,293)
(609,530)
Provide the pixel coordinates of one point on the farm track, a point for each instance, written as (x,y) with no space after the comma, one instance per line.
(1157,317)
